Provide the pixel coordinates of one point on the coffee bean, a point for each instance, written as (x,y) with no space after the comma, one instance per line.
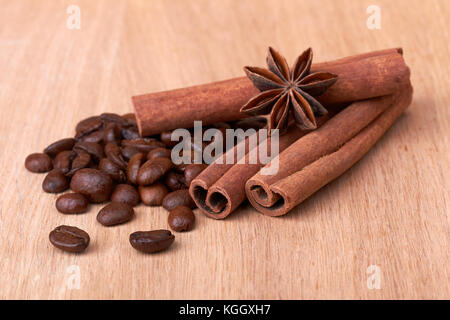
(175,181)
(58,146)
(69,238)
(111,133)
(166,138)
(129,152)
(192,171)
(133,167)
(88,126)
(153,195)
(114,153)
(113,118)
(158,153)
(111,169)
(125,193)
(131,119)
(94,137)
(130,133)
(72,203)
(81,160)
(178,198)
(63,160)
(55,182)
(94,184)
(153,170)
(143,144)
(115,213)
(151,241)
(94,149)
(181,219)
(38,163)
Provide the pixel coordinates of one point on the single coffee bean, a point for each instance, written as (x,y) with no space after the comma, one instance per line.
(181,219)
(94,184)
(175,181)
(58,146)
(94,137)
(38,163)
(133,167)
(178,198)
(63,160)
(129,152)
(88,126)
(166,138)
(115,213)
(131,119)
(113,170)
(125,193)
(113,118)
(72,203)
(94,149)
(143,144)
(114,153)
(158,153)
(152,170)
(111,133)
(130,133)
(192,171)
(151,241)
(69,238)
(153,195)
(81,160)
(55,182)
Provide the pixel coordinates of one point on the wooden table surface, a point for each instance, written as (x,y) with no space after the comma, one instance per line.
(380,231)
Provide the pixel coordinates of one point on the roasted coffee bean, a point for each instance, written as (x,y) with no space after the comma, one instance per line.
(94,149)
(151,241)
(81,160)
(158,153)
(130,133)
(143,144)
(111,133)
(153,195)
(131,119)
(192,171)
(69,238)
(55,182)
(129,152)
(114,153)
(94,137)
(63,160)
(125,193)
(152,170)
(94,184)
(175,181)
(38,163)
(133,167)
(181,219)
(115,213)
(166,138)
(178,198)
(72,203)
(58,146)
(88,126)
(113,170)
(113,118)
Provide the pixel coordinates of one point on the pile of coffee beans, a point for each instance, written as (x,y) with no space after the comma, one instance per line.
(107,160)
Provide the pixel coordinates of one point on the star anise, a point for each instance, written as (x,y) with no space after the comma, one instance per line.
(285,91)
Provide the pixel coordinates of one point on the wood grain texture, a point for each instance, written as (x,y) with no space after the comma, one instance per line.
(389,210)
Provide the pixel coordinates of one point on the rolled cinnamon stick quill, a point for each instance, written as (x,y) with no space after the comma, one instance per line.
(360,77)
(324,154)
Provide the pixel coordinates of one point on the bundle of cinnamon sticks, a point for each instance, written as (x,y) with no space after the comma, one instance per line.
(371,92)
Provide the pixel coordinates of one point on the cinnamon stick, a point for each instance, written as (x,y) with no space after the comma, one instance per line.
(360,77)
(323,155)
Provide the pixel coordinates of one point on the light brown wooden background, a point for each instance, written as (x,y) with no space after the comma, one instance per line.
(390,210)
